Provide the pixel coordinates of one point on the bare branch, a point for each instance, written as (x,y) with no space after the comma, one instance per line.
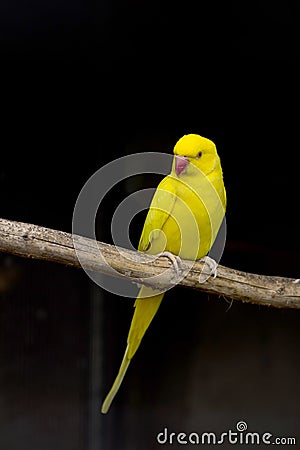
(32,241)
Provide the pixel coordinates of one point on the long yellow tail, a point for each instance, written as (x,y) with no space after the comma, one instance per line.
(145,310)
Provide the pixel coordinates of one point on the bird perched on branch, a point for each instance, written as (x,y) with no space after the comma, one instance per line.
(183,220)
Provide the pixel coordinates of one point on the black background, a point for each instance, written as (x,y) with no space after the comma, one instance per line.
(83,83)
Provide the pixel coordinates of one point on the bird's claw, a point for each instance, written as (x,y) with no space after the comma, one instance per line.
(212,265)
(175,260)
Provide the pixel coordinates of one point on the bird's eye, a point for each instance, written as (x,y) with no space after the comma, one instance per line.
(199,154)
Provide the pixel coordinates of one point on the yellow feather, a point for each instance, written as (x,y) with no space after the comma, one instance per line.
(184,217)
(145,310)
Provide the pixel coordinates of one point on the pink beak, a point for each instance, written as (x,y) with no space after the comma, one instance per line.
(181,163)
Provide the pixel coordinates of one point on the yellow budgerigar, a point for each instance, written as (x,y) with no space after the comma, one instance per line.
(184,218)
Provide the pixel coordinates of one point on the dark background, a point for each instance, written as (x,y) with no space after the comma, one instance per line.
(83,83)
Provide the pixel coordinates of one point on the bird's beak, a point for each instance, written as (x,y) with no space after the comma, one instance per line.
(181,163)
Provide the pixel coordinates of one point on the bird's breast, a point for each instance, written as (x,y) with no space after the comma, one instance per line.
(194,221)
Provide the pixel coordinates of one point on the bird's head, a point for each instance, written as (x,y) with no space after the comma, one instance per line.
(193,150)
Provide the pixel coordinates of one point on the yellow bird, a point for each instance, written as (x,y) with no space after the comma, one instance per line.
(184,217)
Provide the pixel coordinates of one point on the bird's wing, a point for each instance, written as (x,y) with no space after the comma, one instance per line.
(160,209)
(151,241)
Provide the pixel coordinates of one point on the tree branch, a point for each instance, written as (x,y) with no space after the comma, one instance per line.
(32,241)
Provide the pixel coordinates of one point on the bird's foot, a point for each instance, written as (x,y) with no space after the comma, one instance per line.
(212,265)
(175,260)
